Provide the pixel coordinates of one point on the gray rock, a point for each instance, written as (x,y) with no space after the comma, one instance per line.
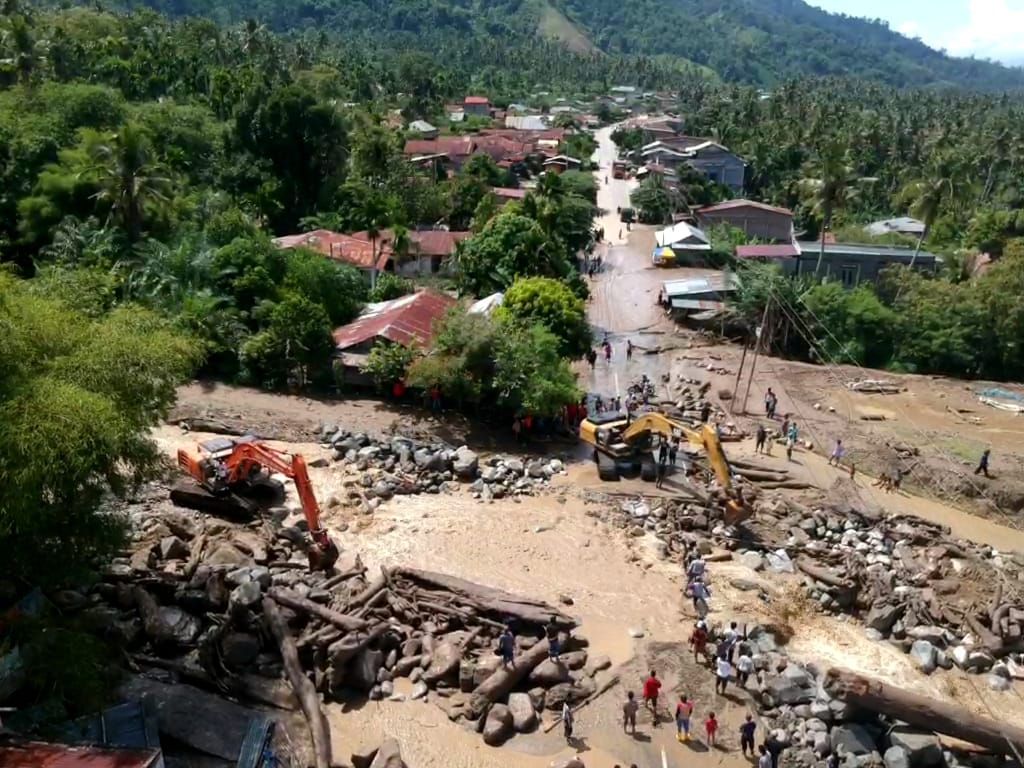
(753,560)
(362,672)
(524,716)
(636,633)
(226,554)
(745,585)
(873,634)
(922,749)
(852,739)
(419,691)
(549,673)
(538,470)
(793,686)
(388,756)
(999,683)
(245,595)
(499,725)
(567,762)
(465,464)
(444,663)
(883,617)
(178,626)
(599,664)
(896,757)
(515,466)
(173,548)
(762,639)
(923,654)
(821,743)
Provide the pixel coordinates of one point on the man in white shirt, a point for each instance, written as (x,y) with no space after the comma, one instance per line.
(723,671)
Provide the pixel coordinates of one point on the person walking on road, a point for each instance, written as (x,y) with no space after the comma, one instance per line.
(608,352)
(629,709)
(747,735)
(699,642)
(652,686)
(711,728)
(760,439)
(744,667)
(700,593)
(983,463)
(770,401)
(837,454)
(592,358)
(684,710)
(661,471)
(673,452)
(567,721)
(723,671)
(629,350)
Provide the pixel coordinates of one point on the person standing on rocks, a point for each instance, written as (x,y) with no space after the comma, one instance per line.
(723,671)
(747,735)
(696,569)
(629,709)
(652,685)
(699,642)
(744,667)
(684,710)
(760,439)
(507,646)
(551,631)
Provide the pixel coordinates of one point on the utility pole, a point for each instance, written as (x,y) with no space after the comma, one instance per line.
(759,333)
(736,385)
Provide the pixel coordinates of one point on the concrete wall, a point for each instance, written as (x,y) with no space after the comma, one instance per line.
(852,270)
(756,222)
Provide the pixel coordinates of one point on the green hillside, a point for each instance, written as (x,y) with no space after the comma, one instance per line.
(752,41)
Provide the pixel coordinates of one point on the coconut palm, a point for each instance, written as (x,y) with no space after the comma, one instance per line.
(830,183)
(944,183)
(129,180)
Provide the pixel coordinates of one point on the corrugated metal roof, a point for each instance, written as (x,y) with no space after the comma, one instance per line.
(526,122)
(849,249)
(902,225)
(35,754)
(476,100)
(730,205)
(403,321)
(347,249)
(697,305)
(125,725)
(781,251)
(683,235)
(716,282)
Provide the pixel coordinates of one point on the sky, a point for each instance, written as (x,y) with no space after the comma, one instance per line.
(991,29)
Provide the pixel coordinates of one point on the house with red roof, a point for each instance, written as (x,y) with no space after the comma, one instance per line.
(476,106)
(407,321)
(758,220)
(364,254)
(428,250)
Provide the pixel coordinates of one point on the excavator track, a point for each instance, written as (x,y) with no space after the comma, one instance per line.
(188,493)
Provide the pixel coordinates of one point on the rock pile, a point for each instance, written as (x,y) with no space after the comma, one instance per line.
(197,594)
(401,465)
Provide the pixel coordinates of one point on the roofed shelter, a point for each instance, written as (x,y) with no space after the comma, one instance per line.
(756,220)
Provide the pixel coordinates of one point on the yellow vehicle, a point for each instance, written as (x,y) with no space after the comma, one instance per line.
(624,444)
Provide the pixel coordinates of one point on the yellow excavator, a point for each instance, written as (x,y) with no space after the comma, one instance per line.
(623,444)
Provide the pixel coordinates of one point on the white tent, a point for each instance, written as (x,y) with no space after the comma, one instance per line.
(684,237)
(487,305)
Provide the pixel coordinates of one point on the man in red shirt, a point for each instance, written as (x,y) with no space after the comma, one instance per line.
(652,685)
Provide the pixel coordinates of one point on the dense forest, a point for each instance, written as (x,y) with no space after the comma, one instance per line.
(761,42)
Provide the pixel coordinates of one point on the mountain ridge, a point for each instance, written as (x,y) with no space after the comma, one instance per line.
(762,42)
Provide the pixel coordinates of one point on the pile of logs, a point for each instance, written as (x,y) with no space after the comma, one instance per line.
(233,609)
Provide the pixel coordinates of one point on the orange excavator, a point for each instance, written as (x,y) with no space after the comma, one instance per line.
(224,467)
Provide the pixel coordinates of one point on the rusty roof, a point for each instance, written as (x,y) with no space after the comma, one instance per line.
(347,249)
(509,193)
(783,251)
(425,242)
(446,145)
(730,205)
(477,100)
(406,320)
(37,754)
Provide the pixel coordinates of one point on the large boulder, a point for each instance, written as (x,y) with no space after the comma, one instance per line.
(388,756)
(444,663)
(239,648)
(177,626)
(549,673)
(465,464)
(852,739)
(793,686)
(922,748)
(499,725)
(524,716)
(568,762)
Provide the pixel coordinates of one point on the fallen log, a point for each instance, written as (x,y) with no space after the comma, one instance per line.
(341,651)
(319,731)
(357,570)
(611,683)
(304,605)
(502,605)
(922,712)
(195,555)
(372,589)
(503,680)
(846,588)
(274,693)
(791,485)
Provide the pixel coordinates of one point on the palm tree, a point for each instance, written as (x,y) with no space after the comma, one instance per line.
(23,54)
(129,180)
(944,183)
(830,183)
